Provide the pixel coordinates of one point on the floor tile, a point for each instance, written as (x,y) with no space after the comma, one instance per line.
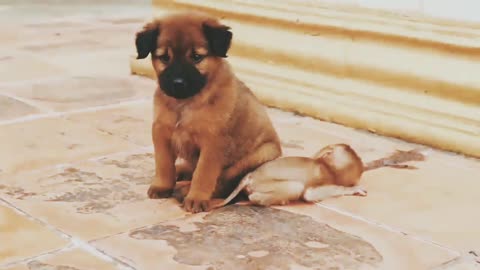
(102,197)
(431,202)
(305,136)
(77,92)
(397,250)
(242,237)
(16,67)
(22,238)
(107,63)
(44,142)
(466,262)
(132,123)
(10,35)
(105,46)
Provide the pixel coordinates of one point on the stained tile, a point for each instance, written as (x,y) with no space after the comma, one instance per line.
(73,259)
(22,238)
(258,238)
(431,202)
(102,197)
(397,250)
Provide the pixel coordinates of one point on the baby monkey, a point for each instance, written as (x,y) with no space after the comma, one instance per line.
(333,171)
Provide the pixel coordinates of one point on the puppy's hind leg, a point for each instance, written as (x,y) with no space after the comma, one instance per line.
(319,193)
(232,175)
(184,169)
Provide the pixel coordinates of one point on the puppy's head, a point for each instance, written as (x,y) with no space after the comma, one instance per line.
(186,49)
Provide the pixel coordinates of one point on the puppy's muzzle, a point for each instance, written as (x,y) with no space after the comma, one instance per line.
(179,84)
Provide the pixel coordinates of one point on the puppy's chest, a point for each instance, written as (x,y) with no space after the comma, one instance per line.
(184,137)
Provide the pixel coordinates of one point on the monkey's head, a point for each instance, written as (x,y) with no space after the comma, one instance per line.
(343,162)
(340,156)
(186,51)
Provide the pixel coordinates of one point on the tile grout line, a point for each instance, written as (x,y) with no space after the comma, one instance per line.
(46,79)
(73,241)
(25,214)
(35,257)
(30,103)
(388,228)
(38,221)
(92,20)
(139,149)
(55,114)
(53,79)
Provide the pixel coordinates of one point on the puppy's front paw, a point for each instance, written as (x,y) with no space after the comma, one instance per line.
(157,192)
(196,205)
(181,190)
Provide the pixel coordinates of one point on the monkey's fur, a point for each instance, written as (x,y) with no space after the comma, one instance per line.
(335,170)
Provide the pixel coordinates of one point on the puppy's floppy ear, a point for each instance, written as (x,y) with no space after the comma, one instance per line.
(146,40)
(219,38)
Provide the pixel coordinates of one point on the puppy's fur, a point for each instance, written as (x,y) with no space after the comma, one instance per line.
(203,115)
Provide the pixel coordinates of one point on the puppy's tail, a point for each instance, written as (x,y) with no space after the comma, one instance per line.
(246,180)
(396,159)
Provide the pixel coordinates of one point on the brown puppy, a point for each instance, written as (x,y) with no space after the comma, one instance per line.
(333,171)
(203,114)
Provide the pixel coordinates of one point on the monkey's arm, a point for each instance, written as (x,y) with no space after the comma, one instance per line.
(319,193)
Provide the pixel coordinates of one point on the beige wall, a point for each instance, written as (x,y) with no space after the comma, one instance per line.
(417,79)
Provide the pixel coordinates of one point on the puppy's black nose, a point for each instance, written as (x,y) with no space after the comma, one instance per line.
(179,84)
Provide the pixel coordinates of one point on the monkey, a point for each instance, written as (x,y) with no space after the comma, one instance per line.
(333,171)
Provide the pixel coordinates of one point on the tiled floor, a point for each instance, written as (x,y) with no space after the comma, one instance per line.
(76,160)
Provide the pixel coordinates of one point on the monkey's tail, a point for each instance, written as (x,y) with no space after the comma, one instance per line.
(243,183)
(396,159)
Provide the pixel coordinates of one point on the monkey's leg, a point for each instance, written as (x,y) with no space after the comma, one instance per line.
(276,192)
(318,193)
(263,154)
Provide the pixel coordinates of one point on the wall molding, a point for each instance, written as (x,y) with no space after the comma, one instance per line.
(413,78)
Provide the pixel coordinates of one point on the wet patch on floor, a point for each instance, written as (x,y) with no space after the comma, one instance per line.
(233,238)
(36,265)
(89,192)
(138,168)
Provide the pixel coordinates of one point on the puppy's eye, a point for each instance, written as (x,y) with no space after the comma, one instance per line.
(165,58)
(197,58)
